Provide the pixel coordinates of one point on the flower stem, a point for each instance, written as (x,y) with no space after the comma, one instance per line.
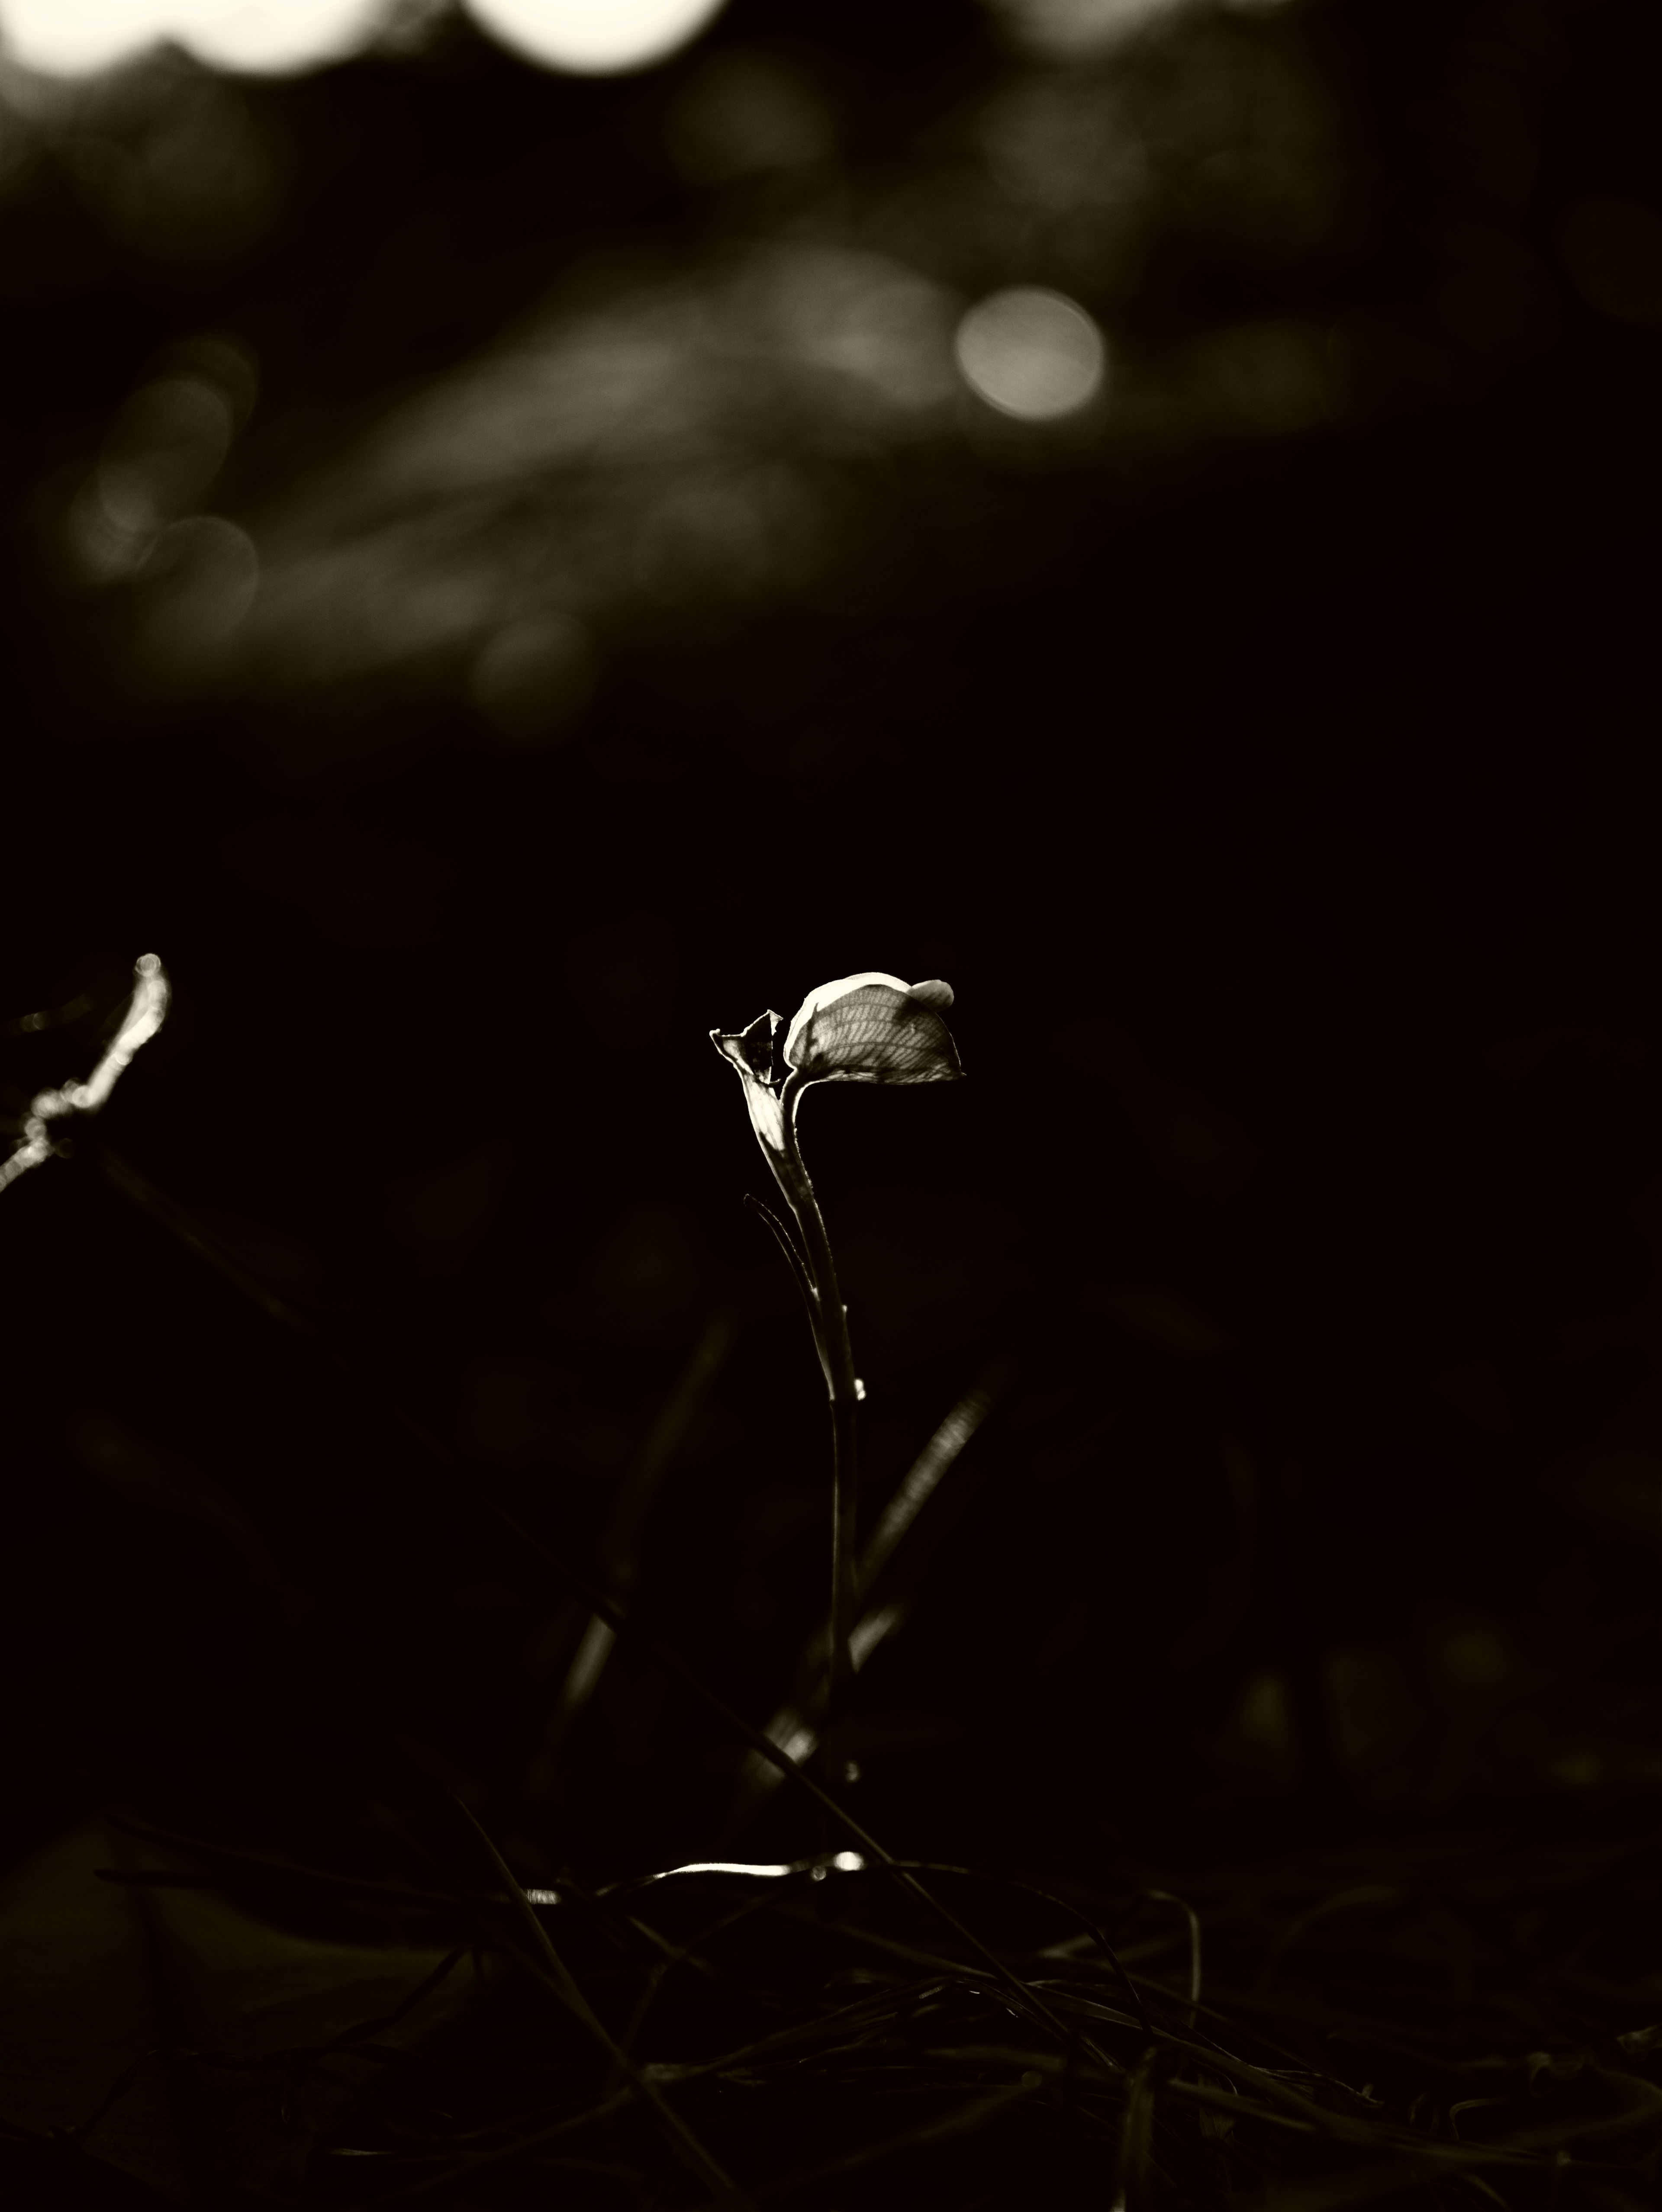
(845,1503)
(837,1357)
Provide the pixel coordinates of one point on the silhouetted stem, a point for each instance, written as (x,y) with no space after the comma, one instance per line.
(845,1494)
(837,1357)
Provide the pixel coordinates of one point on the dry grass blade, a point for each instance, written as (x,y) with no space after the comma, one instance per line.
(964,2121)
(924,1474)
(192,1234)
(1136,2129)
(424,1988)
(664,1439)
(1167,1896)
(1476,2181)
(675,1956)
(1353,2027)
(1521,2148)
(1061,1904)
(844,2020)
(1338,2124)
(1342,1901)
(466,2169)
(641,1480)
(1026,1998)
(791,1728)
(1356,2186)
(247,1867)
(1088,2007)
(1640,2099)
(558,1976)
(853,1932)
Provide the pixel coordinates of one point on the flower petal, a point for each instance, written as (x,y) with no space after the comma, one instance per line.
(873,1028)
(826,996)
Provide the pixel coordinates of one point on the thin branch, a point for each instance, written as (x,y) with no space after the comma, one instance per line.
(146,1012)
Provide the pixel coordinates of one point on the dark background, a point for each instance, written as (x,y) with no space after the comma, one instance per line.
(1266,759)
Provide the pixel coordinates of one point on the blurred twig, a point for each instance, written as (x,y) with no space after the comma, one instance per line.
(645,1471)
(146,1012)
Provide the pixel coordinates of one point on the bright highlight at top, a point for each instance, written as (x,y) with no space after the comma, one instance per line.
(585,38)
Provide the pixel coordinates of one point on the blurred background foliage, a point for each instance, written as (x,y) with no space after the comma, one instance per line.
(1145,509)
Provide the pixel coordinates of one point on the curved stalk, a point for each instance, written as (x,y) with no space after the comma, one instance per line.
(837,1358)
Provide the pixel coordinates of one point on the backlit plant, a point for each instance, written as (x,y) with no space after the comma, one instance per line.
(869,1028)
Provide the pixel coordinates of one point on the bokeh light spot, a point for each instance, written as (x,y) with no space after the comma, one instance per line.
(533,681)
(1071,29)
(594,37)
(274,37)
(876,326)
(73,38)
(164,449)
(1269,378)
(1493,297)
(197,583)
(1032,354)
(77,38)
(744,113)
(1613,251)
